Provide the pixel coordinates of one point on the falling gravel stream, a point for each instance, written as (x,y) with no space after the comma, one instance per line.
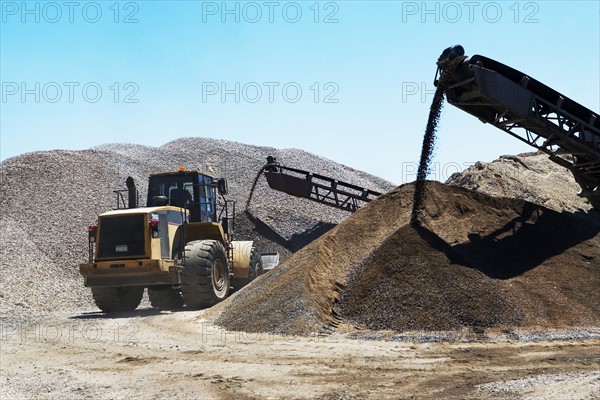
(429,140)
(252,189)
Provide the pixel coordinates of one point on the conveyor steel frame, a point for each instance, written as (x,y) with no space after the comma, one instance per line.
(318,188)
(533,113)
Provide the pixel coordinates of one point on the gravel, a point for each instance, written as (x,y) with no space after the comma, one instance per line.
(429,139)
(517,388)
(48,199)
(528,176)
(478,262)
(466,335)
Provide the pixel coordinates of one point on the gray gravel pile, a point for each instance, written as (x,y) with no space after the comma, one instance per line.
(528,176)
(48,199)
(555,385)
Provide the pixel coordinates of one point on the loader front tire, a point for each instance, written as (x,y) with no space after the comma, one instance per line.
(165,298)
(114,299)
(205,279)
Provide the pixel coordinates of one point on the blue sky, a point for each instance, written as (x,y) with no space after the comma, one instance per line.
(349,80)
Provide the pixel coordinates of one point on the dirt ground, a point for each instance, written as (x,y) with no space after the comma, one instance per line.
(150,354)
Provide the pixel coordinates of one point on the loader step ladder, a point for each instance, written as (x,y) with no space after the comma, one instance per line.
(318,188)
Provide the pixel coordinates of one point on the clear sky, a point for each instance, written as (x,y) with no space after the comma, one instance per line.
(349,80)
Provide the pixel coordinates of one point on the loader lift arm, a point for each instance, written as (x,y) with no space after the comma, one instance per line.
(315,187)
(531,112)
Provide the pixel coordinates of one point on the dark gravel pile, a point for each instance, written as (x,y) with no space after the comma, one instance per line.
(47,200)
(476,262)
(412,283)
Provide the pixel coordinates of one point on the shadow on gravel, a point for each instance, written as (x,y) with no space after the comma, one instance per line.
(526,242)
(297,241)
(440,244)
(300,240)
(124,314)
(266,231)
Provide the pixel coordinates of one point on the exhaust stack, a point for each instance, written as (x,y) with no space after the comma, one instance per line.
(131,193)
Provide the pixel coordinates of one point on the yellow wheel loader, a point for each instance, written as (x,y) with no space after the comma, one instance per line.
(180,246)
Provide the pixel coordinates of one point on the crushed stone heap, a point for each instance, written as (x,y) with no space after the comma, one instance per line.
(527,176)
(479,261)
(48,199)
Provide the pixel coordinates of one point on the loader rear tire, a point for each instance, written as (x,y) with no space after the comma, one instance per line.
(165,298)
(205,279)
(114,299)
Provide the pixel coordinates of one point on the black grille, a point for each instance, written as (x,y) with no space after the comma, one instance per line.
(121,236)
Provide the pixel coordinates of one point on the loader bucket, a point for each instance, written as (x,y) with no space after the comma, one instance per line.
(269,261)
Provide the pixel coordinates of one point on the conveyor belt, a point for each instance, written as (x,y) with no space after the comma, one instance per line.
(315,187)
(530,111)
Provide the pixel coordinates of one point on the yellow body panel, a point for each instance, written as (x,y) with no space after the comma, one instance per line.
(203,231)
(172,232)
(155,248)
(141,210)
(145,272)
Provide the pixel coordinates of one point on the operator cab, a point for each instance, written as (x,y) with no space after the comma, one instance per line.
(185,189)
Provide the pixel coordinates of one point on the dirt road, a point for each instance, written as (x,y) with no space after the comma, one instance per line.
(146,354)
